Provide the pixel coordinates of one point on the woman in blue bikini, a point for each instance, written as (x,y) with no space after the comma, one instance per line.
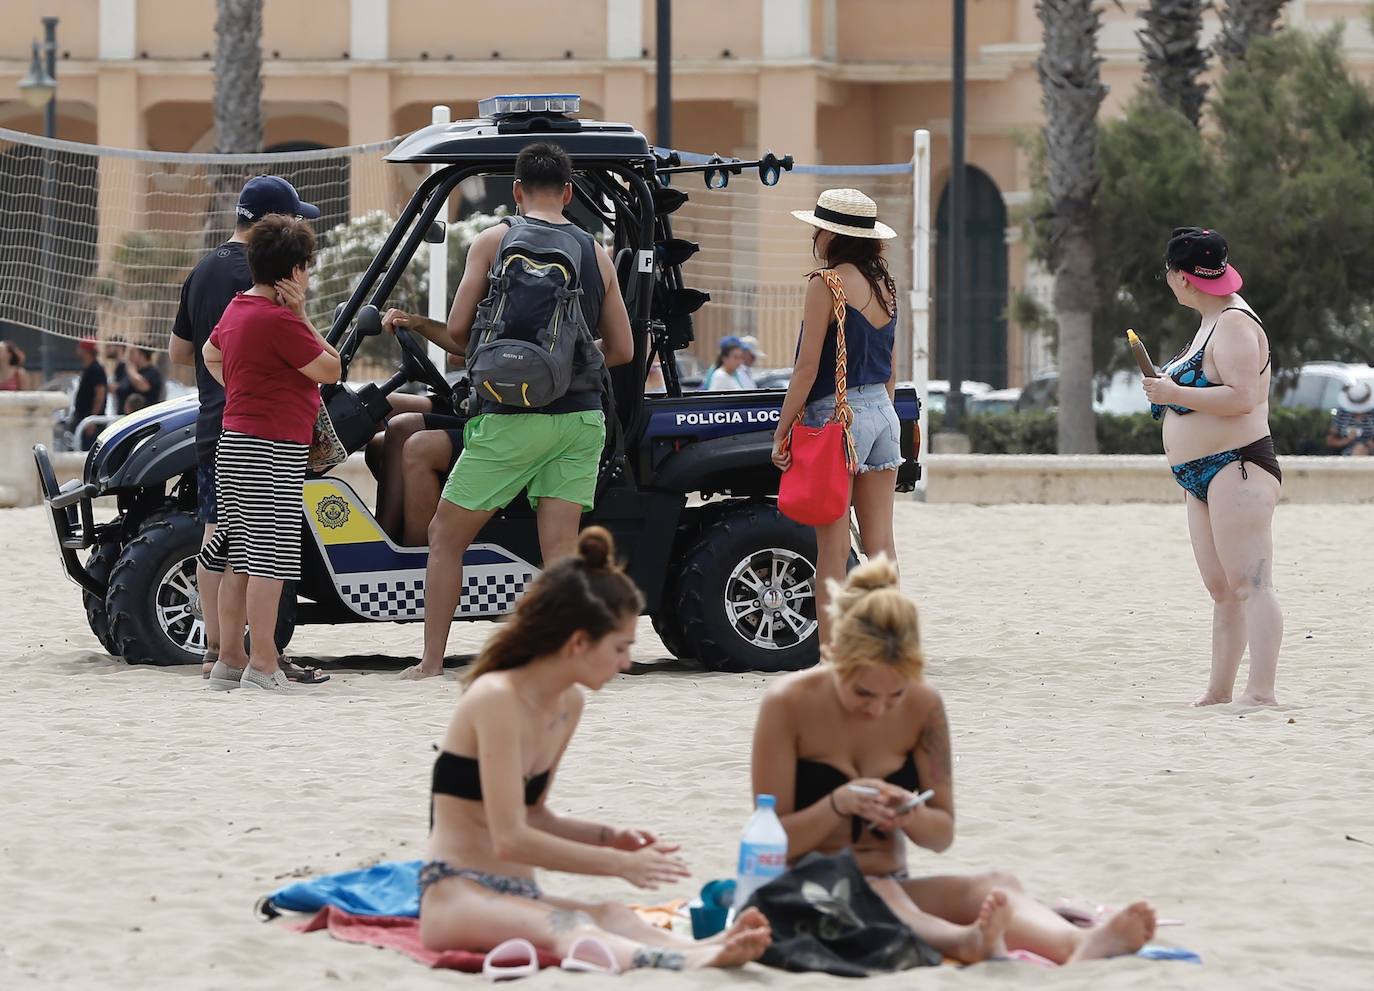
(1214,400)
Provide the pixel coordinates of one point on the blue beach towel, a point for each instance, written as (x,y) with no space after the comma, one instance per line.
(390,888)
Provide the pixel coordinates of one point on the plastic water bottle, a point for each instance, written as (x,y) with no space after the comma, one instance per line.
(762,851)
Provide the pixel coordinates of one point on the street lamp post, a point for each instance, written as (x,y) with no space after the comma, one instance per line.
(663,78)
(39,89)
(954,342)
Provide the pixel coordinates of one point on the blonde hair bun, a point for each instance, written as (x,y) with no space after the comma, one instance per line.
(596,548)
(874,623)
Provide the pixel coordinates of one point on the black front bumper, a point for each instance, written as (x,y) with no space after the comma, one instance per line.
(70,513)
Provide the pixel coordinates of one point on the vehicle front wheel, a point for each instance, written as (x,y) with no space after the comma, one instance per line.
(154,602)
(747,596)
(99,566)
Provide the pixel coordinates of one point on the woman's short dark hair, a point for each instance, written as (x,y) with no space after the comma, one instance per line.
(277,244)
(543,167)
(588,591)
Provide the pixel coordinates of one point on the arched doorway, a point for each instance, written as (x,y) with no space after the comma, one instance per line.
(985,338)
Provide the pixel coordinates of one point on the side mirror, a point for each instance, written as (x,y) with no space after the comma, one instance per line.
(369,321)
(437,232)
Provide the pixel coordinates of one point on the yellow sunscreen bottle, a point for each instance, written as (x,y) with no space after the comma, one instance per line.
(1142,357)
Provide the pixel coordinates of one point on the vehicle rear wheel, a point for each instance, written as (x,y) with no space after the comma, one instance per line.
(99,566)
(669,630)
(154,603)
(747,597)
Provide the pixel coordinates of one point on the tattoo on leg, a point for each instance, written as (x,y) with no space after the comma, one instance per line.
(935,744)
(658,957)
(562,920)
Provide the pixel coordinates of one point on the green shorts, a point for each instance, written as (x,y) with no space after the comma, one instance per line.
(554,455)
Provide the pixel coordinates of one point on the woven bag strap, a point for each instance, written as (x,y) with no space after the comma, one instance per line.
(844,415)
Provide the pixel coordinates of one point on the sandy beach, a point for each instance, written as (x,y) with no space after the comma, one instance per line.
(143,816)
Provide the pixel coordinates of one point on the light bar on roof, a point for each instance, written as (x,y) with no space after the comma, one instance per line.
(497,107)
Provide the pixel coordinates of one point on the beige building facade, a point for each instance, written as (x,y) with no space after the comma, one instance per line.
(835,82)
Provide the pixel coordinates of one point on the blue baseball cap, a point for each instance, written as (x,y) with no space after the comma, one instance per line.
(266,194)
(730,341)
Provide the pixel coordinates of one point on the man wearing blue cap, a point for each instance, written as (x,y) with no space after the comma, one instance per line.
(215,280)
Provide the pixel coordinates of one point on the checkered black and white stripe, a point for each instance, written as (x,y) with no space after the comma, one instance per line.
(488,590)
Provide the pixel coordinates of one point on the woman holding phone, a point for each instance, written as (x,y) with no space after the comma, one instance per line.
(848,747)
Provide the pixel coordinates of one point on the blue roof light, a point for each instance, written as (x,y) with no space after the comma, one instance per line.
(496,107)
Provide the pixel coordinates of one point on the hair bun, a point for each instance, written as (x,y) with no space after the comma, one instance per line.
(596,547)
(878,573)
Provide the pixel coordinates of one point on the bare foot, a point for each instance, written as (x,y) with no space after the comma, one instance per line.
(1125,932)
(983,940)
(1210,699)
(747,921)
(419,672)
(1257,700)
(739,948)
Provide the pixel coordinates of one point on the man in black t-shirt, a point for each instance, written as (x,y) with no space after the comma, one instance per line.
(215,280)
(91,389)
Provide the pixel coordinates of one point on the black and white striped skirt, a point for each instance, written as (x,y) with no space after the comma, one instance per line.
(258,485)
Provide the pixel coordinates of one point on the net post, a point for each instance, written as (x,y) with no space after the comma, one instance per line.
(438,262)
(919,371)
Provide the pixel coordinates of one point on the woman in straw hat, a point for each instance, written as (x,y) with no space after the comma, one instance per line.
(848,239)
(1213,398)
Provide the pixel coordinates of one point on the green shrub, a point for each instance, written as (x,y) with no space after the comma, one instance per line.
(1295,431)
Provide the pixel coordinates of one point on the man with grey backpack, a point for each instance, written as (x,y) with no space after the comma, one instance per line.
(538,316)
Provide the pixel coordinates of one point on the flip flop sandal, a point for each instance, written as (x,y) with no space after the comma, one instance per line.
(301,674)
(211,656)
(590,955)
(511,959)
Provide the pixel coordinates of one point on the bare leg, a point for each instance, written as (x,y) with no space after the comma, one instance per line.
(1125,932)
(264,597)
(558,522)
(979,940)
(832,560)
(625,921)
(233,615)
(458,915)
(391,477)
(1242,512)
(450,532)
(1228,615)
(874,494)
(207,586)
(424,462)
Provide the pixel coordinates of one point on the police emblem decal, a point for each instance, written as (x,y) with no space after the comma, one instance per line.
(332,511)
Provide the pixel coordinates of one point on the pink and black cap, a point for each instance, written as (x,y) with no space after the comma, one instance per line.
(1200,254)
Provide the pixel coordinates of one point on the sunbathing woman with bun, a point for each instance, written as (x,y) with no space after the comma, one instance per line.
(491,823)
(868,718)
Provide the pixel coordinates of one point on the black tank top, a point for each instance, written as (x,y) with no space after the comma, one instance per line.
(593,294)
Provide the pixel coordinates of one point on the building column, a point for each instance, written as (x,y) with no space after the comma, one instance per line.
(626,86)
(624,29)
(120,193)
(786,29)
(788,98)
(118,29)
(368,33)
(369,119)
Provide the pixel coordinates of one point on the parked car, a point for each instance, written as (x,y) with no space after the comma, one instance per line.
(1119,393)
(1317,384)
(938,389)
(996,401)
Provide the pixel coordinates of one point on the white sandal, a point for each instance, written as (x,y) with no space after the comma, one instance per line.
(590,955)
(509,960)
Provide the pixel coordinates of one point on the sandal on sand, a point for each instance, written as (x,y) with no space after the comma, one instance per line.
(255,681)
(208,662)
(511,959)
(300,673)
(223,678)
(590,955)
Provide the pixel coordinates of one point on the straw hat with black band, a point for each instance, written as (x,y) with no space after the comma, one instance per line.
(848,212)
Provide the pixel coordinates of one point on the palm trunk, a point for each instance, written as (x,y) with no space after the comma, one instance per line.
(1243,20)
(1174,59)
(1072,93)
(238,106)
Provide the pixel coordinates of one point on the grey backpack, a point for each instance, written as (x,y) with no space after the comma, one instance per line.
(530,343)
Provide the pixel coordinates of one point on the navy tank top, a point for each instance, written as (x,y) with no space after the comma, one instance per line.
(869,349)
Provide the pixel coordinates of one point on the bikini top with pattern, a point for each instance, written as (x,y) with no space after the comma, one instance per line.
(1188,371)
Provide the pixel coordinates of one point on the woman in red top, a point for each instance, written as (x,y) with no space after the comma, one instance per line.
(271,362)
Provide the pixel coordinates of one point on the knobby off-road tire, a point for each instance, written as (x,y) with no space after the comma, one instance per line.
(153,602)
(746,598)
(668,629)
(99,566)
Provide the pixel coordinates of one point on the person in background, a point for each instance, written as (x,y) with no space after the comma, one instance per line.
(1352,424)
(137,375)
(724,375)
(91,389)
(271,362)
(13,377)
(752,353)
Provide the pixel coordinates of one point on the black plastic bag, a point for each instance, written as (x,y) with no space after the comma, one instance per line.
(825,917)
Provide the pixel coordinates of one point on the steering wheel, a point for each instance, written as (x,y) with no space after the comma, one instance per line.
(415,360)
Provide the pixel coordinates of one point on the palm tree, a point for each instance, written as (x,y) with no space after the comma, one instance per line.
(1174,60)
(1071,93)
(238,76)
(1242,20)
(238,105)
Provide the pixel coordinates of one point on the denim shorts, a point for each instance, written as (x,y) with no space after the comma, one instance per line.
(876,427)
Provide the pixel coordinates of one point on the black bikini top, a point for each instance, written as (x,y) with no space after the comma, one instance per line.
(817,779)
(460,777)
